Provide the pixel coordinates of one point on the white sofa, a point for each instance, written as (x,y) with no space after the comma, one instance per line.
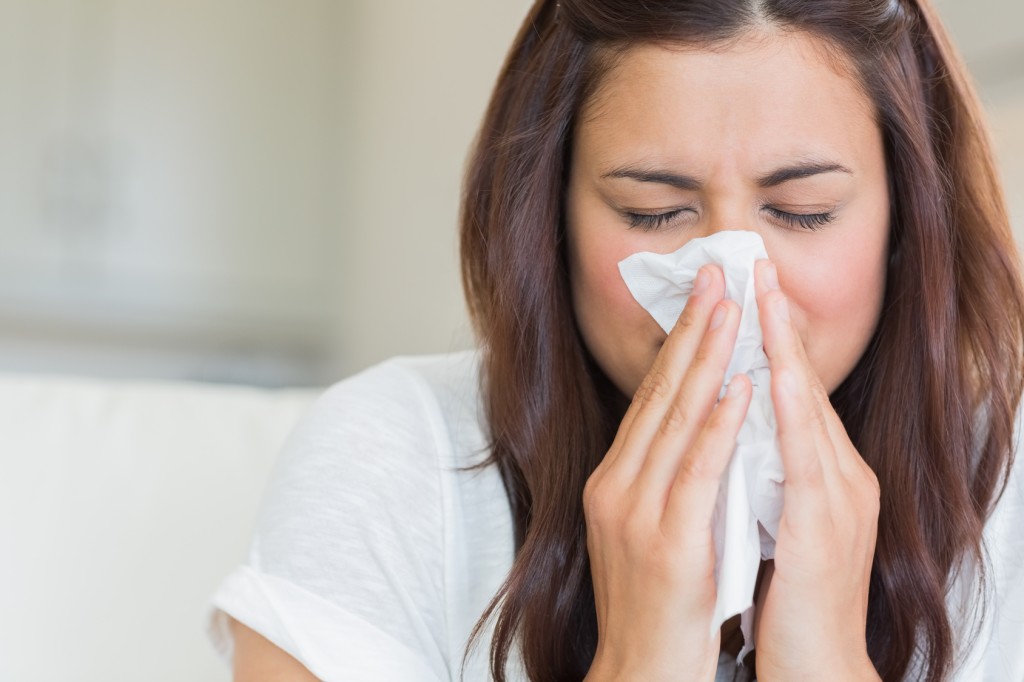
(122,505)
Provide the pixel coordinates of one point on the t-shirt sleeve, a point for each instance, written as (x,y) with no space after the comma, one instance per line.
(1004,543)
(990,622)
(345,569)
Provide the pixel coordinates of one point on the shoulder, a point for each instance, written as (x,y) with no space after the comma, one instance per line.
(995,652)
(370,552)
(441,386)
(352,539)
(368,471)
(386,431)
(403,385)
(422,407)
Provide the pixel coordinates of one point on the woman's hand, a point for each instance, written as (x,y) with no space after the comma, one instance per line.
(811,620)
(648,505)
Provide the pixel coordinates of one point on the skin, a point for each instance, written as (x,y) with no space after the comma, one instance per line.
(257,659)
(728,118)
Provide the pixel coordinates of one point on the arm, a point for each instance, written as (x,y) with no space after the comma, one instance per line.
(257,659)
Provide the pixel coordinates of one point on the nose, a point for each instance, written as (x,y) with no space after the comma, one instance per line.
(729,213)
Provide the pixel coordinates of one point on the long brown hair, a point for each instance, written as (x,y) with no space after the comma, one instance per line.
(930,405)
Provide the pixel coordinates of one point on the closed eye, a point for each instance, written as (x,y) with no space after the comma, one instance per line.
(650,221)
(809,221)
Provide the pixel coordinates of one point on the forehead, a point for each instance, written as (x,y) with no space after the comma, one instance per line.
(763,98)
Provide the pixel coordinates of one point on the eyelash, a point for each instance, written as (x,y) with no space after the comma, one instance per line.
(808,221)
(650,222)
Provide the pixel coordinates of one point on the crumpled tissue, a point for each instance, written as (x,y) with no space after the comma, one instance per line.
(749,505)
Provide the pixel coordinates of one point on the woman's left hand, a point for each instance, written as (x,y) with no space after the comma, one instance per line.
(811,617)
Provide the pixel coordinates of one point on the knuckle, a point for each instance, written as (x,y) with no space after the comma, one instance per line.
(874,490)
(874,508)
(876,487)
(655,386)
(677,416)
(693,468)
(702,356)
(595,503)
(596,511)
(605,505)
(816,417)
(712,355)
(818,389)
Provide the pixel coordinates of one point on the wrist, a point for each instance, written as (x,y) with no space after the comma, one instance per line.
(860,669)
(609,669)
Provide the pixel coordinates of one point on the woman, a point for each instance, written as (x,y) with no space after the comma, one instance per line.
(846,134)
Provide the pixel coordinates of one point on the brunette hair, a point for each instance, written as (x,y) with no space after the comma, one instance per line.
(930,405)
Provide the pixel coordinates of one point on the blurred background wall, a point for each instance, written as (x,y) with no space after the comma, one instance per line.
(265,192)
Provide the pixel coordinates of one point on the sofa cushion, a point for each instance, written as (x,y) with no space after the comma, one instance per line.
(122,506)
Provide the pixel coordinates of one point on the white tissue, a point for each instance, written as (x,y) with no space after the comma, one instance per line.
(749,506)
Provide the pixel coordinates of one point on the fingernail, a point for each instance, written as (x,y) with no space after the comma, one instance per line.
(771,276)
(719,317)
(782,308)
(702,283)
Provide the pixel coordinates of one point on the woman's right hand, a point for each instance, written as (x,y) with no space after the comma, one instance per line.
(648,505)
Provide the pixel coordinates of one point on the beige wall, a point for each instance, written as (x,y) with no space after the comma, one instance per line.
(420,75)
(1006,116)
(166,194)
(988,34)
(268,193)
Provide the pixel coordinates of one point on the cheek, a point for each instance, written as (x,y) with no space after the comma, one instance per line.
(599,288)
(836,300)
(621,336)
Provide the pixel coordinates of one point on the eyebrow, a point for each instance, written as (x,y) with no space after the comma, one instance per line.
(686,182)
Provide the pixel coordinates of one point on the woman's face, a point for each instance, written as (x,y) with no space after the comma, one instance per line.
(705,140)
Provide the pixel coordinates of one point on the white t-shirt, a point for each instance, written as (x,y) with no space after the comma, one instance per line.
(373,558)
